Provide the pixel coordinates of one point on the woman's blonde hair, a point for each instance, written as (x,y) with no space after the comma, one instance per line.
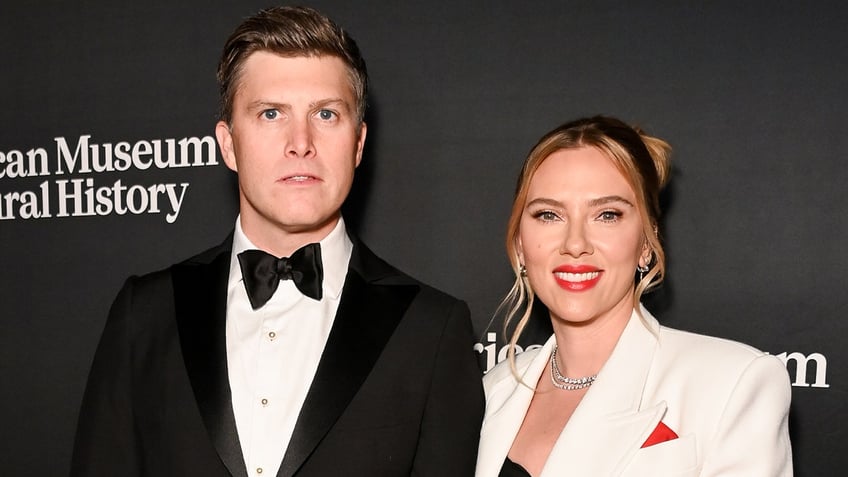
(643,161)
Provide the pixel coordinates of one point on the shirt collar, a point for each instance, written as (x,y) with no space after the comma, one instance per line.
(336,250)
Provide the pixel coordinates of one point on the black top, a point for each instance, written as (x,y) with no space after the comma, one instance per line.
(511,469)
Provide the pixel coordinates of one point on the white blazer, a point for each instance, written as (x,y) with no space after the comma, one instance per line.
(727,402)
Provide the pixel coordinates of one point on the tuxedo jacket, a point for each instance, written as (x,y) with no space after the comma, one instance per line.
(727,403)
(397,390)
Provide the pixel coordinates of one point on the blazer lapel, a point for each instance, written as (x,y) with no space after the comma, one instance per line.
(507,403)
(608,427)
(374,299)
(200,296)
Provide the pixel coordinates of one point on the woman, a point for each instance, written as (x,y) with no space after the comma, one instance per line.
(612,392)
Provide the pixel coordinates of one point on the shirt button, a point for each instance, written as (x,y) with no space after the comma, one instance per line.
(259,470)
(264,403)
(272,335)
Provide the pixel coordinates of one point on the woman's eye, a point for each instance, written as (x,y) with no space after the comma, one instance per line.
(546,216)
(270,114)
(609,215)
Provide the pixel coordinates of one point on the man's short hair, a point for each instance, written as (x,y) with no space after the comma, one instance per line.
(289,32)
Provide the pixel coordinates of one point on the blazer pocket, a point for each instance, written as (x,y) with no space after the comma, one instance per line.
(674,458)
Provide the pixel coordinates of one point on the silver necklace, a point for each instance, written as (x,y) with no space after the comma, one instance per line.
(565,383)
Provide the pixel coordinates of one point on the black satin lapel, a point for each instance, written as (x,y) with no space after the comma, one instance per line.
(200,291)
(367,316)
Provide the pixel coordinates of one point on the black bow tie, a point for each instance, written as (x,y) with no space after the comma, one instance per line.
(262,273)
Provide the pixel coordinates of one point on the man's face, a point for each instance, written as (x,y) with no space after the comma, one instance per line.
(294,141)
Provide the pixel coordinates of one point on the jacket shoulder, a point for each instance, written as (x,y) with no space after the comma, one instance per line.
(160,282)
(504,372)
(716,360)
(209,255)
(698,346)
(376,270)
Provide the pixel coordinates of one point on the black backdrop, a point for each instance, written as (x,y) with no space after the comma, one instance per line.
(751,96)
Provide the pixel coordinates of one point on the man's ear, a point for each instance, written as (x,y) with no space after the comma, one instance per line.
(225,143)
(360,143)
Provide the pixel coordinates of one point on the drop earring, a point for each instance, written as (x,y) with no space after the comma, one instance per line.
(642,271)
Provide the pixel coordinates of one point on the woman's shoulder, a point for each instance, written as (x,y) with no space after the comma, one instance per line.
(713,356)
(523,360)
(503,369)
(696,343)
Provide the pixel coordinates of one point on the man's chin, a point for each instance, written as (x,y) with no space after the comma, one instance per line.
(306,224)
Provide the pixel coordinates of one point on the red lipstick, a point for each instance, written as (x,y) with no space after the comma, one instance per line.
(577,277)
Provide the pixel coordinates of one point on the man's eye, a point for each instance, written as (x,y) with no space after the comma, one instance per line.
(270,114)
(326,114)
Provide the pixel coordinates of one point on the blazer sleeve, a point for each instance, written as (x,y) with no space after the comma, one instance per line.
(450,430)
(105,443)
(753,432)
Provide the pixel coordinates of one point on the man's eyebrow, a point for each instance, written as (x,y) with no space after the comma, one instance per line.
(263,104)
(329,101)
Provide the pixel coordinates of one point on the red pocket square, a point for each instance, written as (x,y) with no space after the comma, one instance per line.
(661,434)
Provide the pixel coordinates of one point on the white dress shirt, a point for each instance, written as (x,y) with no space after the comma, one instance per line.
(273,352)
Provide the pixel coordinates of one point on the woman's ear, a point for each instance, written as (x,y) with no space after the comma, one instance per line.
(647,256)
(519,250)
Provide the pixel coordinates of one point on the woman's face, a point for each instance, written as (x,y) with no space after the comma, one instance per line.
(581,237)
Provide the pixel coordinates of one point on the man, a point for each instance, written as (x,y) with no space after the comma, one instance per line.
(326,362)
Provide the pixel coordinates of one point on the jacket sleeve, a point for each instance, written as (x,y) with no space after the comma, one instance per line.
(753,434)
(105,442)
(450,429)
